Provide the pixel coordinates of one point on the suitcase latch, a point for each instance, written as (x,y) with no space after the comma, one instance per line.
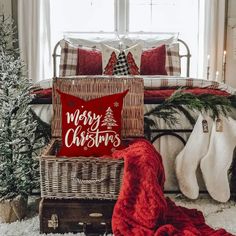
(95,215)
(53,222)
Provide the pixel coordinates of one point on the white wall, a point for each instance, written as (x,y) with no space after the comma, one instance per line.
(230,60)
(5,7)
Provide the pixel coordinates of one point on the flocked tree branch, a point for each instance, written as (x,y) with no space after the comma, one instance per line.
(18,127)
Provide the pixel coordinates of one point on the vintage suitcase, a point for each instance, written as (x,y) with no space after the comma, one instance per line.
(93,217)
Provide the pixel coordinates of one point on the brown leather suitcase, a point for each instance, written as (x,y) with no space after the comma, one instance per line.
(93,217)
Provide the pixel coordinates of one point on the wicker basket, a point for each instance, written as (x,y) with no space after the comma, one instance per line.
(94,87)
(82,177)
(89,177)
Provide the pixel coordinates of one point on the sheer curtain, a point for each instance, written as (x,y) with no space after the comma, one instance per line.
(34,37)
(213,39)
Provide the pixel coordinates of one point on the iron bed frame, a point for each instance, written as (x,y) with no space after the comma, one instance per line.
(159,132)
(186,55)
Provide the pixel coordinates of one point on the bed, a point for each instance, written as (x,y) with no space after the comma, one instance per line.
(169,141)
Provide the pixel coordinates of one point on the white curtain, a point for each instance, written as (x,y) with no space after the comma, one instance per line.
(213,39)
(34,37)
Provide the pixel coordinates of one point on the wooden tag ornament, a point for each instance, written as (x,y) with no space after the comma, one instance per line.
(205,126)
(219,125)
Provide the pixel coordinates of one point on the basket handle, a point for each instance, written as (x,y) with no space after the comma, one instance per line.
(91,181)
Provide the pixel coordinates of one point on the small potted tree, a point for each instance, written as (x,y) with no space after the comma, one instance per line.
(17,130)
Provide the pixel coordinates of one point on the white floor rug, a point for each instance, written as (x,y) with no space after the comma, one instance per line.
(217,215)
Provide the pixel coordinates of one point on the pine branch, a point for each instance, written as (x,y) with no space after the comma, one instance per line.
(43,129)
(186,113)
(183,103)
(232,99)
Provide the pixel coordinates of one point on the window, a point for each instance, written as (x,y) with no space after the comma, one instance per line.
(81,16)
(180,16)
(129,16)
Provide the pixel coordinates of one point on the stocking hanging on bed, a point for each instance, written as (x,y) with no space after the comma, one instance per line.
(211,146)
(189,158)
(216,163)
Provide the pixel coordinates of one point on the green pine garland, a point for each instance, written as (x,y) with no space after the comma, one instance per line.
(185,103)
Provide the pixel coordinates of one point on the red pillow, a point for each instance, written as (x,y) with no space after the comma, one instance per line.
(89,62)
(90,128)
(153,61)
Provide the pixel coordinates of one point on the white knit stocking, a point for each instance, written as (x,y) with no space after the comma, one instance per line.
(216,163)
(189,158)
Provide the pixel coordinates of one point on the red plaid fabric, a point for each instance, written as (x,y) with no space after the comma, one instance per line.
(68,60)
(160,82)
(173,66)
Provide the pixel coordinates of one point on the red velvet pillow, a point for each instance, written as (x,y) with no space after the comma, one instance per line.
(153,61)
(90,128)
(89,62)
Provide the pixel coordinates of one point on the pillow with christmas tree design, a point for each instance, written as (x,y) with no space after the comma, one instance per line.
(125,62)
(91,128)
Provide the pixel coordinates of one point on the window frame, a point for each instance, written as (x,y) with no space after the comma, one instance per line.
(121,16)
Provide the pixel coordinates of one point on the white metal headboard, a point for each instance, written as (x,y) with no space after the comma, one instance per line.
(185,55)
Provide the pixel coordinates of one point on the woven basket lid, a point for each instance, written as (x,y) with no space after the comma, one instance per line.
(90,87)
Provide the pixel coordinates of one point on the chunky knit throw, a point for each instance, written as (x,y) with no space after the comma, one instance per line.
(142,209)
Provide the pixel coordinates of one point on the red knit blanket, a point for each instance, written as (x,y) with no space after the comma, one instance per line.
(142,209)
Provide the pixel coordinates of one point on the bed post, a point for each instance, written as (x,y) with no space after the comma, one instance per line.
(54,56)
(187,55)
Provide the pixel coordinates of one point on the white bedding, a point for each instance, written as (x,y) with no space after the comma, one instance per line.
(160,81)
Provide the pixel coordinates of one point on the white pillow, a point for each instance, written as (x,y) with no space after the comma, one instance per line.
(148,40)
(94,41)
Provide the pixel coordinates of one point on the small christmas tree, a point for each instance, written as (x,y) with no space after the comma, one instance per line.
(17,126)
(109,120)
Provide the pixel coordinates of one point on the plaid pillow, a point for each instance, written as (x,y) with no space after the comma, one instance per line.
(79,60)
(173,66)
(68,60)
